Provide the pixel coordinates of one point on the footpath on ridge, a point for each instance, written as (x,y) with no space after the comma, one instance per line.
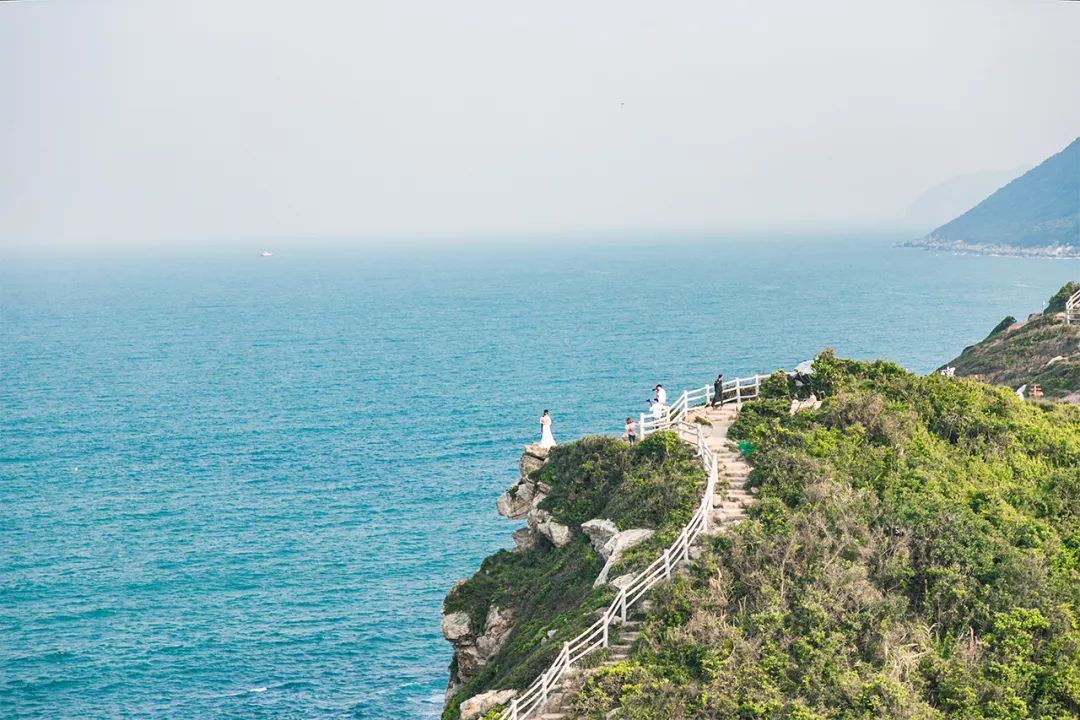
(729,507)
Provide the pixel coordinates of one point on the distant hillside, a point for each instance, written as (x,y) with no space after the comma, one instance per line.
(1042,350)
(944,201)
(1038,213)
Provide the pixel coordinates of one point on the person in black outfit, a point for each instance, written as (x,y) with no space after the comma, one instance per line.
(718,390)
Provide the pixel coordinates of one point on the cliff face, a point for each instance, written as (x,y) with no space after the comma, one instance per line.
(1042,350)
(592,510)
(477,643)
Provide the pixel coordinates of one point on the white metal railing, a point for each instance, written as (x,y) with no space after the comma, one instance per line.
(535,697)
(1072,308)
(735,391)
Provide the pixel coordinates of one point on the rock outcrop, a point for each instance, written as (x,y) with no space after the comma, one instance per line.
(475,647)
(474,650)
(477,705)
(516,501)
(609,542)
(599,532)
(522,500)
(540,521)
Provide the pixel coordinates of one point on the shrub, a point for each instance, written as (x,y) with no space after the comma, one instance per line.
(1057,302)
(914,553)
(775,387)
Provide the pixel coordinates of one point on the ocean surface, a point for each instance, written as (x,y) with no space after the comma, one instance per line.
(239,487)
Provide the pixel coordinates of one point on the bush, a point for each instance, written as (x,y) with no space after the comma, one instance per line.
(1057,302)
(914,553)
(775,387)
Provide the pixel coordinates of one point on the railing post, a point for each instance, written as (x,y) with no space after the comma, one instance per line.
(513,709)
(667,562)
(622,610)
(605,634)
(641,426)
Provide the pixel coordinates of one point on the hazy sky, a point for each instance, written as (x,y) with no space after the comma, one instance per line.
(151,122)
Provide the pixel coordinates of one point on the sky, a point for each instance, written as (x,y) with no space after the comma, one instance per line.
(154,122)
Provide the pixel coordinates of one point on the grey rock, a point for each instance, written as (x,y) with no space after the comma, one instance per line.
(528,464)
(623,581)
(537,517)
(615,547)
(455,626)
(537,452)
(559,534)
(515,502)
(524,539)
(540,521)
(477,705)
(599,531)
(626,540)
(496,630)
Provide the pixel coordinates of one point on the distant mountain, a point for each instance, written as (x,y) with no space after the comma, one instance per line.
(950,198)
(1038,213)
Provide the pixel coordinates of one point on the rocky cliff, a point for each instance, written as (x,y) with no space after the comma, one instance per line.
(1042,350)
(592,510)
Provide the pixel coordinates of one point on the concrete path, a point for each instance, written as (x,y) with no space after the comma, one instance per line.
(728,510)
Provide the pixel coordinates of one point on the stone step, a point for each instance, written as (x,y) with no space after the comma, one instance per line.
(553,716)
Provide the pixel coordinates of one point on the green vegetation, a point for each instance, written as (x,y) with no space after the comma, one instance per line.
(914,553)
(1057,302)
(1042,350)
(655,483)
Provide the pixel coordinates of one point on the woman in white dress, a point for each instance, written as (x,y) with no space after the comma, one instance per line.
(546,438)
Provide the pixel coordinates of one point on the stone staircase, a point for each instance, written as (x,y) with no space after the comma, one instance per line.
(729,508)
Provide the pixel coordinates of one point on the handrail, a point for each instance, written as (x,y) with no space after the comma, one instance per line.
(595,636)
(1072,308)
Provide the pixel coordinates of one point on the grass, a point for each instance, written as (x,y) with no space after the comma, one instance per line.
(655,484)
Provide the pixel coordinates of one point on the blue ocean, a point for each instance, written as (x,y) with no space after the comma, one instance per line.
(235,486)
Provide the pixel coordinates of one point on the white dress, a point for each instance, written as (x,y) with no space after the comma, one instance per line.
(546,438)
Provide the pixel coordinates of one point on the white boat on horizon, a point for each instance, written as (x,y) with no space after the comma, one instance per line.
(266,253)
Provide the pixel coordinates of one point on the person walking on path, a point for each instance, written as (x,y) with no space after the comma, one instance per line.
(547,440)
(718,390)
(631,435)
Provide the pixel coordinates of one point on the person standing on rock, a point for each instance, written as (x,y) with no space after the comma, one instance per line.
(718,390)
(547,440)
